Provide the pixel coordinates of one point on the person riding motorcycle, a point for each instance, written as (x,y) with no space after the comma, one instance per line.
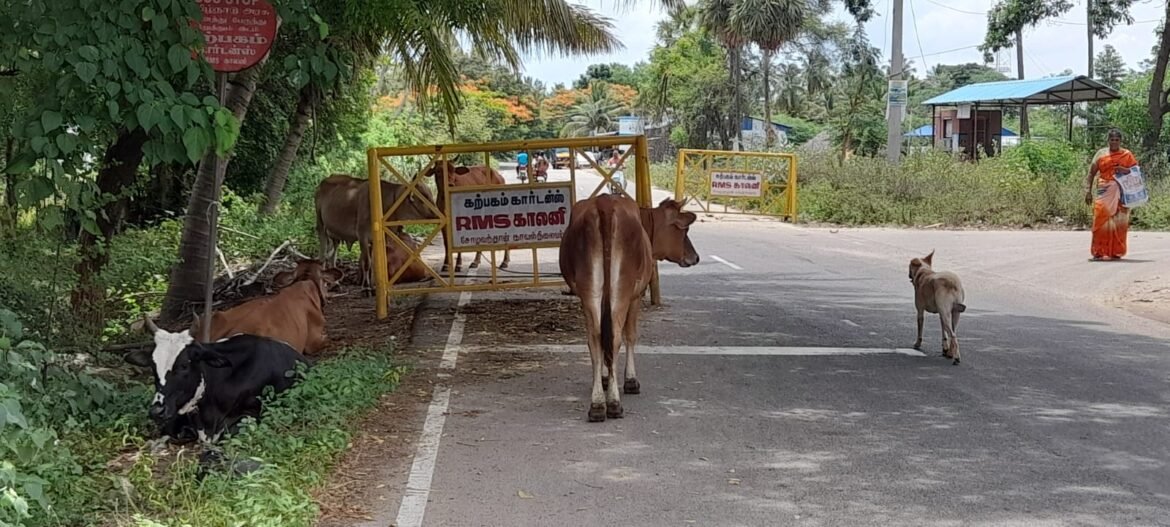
(618,178)
(522,166)
(540,168)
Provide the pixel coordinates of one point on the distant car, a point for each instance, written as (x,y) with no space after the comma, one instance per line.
(560,158)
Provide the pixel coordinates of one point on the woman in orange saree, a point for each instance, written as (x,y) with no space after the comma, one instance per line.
(1110,217)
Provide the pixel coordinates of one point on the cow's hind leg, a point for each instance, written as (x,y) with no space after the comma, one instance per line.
(597,393)
(475,263)
(612,395)
(507,259)
(631,337)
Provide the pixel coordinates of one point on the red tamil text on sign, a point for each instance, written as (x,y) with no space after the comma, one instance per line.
(238,33)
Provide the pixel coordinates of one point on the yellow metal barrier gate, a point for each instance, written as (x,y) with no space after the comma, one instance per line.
(513,216)
(762,182)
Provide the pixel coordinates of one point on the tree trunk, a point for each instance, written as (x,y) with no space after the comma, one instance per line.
(770,134)
(1024,131)
(188,276)
(118,172)
(737,84)
(274,186)
(11,207)
(1156,104)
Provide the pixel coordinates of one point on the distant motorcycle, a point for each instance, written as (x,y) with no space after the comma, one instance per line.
(617,183)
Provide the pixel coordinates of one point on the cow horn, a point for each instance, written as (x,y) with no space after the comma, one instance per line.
(150,324)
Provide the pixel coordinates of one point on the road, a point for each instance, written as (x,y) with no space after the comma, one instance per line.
(777,390)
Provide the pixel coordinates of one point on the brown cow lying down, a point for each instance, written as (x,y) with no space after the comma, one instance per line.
(458,176)
(607,257)
(396,257)
(294,315)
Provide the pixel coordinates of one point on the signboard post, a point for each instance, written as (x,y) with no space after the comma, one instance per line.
(238,35)
(489,218)
(736,184)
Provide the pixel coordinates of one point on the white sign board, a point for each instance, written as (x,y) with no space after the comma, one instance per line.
(513,217)
(898,92)
(737,184)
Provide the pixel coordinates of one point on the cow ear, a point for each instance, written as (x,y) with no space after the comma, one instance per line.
(283,279)
(141,358)
(929,257)
(685,219)
(214,359)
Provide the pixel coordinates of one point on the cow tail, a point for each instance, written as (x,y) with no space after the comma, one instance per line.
(605,228)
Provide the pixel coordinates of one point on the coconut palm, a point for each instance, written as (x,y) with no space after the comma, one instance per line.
(715,16)
(595,115)
(770,24)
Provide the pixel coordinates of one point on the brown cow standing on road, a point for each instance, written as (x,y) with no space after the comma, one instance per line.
(396,258)
(607,257)
(343,215)
(458,176)
(294,315)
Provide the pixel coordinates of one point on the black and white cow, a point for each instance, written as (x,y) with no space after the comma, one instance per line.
(211,387)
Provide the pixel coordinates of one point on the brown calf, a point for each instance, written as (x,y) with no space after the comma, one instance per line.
(343,215)
(458,176)
(396,257)
(607,257)
(294,315)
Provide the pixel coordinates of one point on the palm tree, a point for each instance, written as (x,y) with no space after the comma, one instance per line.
(716,17)
(421,35)
(597,114)
(770,24)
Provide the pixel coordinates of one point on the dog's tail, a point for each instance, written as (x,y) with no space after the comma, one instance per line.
(960,307)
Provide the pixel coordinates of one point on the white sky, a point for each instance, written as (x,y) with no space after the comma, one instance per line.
(942,26)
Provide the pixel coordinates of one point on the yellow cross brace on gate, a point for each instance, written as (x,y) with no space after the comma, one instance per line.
(432,160)
(754,183)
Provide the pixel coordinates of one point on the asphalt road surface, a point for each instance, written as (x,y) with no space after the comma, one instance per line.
(777,389)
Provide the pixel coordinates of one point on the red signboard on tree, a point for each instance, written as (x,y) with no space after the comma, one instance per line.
(239,33)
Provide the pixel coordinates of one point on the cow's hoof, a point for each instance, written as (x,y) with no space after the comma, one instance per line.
(596,413)
(458,268)
(956,363)
(613,410)
(917,345)
(632,387)
(472,266)
(604,383)
(504,265)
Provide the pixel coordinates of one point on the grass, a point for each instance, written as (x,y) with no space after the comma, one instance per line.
(1036,188)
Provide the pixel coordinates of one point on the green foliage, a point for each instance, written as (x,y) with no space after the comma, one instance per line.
(52,417)
(689,82)
(1051,159)
(124,66)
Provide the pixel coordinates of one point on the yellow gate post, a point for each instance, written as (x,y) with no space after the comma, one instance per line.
(377,264)
(715,161)
(646,199)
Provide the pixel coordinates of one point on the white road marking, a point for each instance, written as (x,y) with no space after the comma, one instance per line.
(792,351)
(422,469)
(850,322)
(725,262)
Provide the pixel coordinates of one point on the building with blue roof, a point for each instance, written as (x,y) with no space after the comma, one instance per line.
(970,118)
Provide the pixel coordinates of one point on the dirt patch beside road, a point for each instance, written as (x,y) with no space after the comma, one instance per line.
(1148,298)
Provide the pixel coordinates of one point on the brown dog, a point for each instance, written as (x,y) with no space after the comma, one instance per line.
(938,292)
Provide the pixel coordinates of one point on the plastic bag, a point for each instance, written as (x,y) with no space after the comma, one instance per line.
(1133,188)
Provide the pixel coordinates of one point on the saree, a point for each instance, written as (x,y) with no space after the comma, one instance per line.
(1110,217)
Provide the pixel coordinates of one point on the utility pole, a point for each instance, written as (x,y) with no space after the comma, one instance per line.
(1020,75)
(1089,19)
(896,100)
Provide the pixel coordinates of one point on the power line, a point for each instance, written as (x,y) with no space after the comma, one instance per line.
(956,9)
(914,19)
